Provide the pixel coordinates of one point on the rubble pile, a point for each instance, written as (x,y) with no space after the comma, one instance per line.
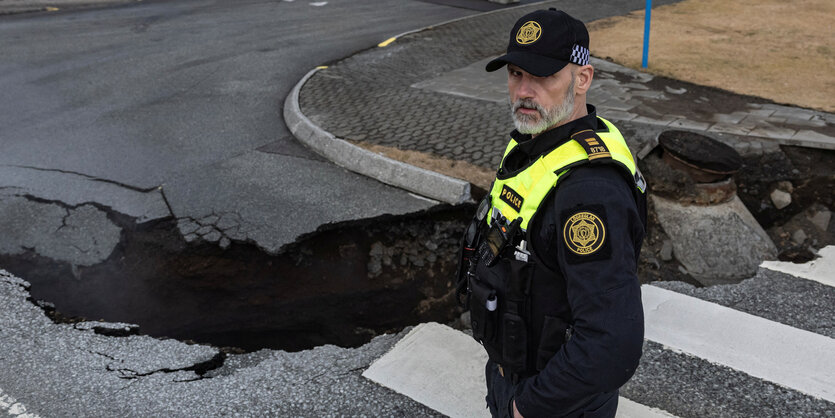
(712,224)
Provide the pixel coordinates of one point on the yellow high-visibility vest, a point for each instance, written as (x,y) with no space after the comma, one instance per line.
(521,194)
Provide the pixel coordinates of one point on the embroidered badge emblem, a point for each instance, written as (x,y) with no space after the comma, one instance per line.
(528,33)
(584,233)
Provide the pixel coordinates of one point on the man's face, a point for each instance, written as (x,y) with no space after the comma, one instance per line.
(539,103)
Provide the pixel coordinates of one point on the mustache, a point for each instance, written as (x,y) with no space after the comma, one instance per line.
(528,103)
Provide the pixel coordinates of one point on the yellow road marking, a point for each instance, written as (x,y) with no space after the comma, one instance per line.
(387,42)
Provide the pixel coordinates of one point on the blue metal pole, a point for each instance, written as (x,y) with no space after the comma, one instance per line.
(647,17)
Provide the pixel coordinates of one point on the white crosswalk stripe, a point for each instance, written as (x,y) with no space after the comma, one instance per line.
(13,408)
(630,409)
(798,359)
(437,366)
(821,270)
(443,368)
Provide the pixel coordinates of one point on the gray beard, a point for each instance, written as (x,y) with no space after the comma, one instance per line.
(548,117)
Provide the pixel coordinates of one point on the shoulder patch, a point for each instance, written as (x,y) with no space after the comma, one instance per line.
(584,234)
(592,143)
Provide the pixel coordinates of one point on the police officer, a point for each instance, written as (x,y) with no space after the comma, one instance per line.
(548,265)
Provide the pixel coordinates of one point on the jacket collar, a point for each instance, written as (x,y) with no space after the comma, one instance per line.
(531,148)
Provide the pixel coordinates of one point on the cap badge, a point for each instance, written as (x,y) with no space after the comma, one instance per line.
(528,33)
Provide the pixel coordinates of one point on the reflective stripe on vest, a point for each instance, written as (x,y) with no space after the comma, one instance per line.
(521,195)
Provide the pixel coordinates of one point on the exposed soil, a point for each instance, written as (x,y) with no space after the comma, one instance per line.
(479,177)
(347,283)
(807,175)
(778,50)
(342,285)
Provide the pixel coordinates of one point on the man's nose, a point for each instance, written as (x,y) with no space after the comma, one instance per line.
(525,89)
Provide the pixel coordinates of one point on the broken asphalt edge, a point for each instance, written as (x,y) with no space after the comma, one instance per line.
(359,160)
(213,359)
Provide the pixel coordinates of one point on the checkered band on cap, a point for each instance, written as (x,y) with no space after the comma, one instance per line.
(579,55)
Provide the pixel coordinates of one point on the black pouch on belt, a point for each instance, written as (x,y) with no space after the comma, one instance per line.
(482,318)
(515,331)
(515,343)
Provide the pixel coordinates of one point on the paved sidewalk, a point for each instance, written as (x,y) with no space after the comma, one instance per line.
(425,99)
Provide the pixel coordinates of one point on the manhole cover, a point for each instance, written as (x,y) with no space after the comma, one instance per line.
(704,158)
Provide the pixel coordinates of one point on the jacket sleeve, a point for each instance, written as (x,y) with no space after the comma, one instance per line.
(598,259)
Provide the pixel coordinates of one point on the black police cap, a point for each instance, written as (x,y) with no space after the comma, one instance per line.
(545,41)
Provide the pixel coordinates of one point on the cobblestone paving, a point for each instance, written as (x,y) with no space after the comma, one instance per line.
(367,97)
(379,96)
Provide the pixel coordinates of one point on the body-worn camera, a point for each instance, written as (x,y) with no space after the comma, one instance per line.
(498,238)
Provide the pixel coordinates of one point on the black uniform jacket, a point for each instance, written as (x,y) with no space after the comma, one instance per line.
(602,289)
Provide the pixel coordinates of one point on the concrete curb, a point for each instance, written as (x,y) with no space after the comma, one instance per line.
(341,152)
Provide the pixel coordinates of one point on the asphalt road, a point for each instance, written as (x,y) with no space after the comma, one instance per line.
(49,369)
(160,109)
(102,107)
(169,108)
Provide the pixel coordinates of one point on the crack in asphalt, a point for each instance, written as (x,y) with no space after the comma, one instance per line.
(165,200)
(108,329)
(105,355)
(87,176)
(64,205)
(200,369)
(110,211)
(63,220)
(222,228)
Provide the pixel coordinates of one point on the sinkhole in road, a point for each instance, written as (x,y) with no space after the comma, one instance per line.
(341,285)
(348,282)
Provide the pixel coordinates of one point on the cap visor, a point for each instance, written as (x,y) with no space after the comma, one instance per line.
(496,64)
(532,63)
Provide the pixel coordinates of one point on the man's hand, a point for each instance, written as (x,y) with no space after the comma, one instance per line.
(516,413)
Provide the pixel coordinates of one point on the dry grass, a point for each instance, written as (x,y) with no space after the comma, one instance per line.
(775,49)
(474,174)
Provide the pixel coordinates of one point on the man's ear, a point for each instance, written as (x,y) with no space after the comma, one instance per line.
(584,76)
